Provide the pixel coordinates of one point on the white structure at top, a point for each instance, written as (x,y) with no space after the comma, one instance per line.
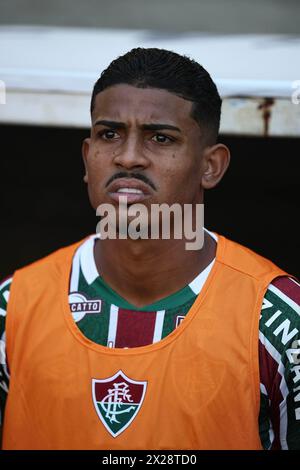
(49,73)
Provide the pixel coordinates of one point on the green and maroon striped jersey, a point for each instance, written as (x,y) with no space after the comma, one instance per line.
(108,319)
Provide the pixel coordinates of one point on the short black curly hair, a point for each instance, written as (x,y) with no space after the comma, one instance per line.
(162,69)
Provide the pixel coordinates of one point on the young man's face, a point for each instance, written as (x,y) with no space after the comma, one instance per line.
(144,140)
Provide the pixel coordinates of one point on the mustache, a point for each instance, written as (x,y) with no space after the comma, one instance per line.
(138,176)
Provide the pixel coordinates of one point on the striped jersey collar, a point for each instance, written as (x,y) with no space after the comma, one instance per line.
(84,260)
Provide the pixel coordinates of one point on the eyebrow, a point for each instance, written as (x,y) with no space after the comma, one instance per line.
(159,127)
(146,127)
(112,124)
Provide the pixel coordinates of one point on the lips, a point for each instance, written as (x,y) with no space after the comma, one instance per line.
(133,189)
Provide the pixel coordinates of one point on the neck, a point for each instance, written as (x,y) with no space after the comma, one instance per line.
(144,271)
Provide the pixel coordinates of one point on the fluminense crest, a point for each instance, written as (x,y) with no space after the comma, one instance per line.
(117,401)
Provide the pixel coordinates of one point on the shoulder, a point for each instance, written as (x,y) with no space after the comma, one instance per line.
(279,326)
(286,290)
(282,301)
(244,260)
(46,266)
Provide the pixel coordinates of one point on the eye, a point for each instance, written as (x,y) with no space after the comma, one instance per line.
(108,134)
(162,139)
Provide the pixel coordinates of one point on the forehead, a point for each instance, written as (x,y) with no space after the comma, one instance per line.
(127,103)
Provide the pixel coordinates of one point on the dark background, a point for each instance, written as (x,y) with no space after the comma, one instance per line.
(44,203)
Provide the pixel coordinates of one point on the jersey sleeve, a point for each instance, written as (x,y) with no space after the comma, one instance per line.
(279,362)
(4,373)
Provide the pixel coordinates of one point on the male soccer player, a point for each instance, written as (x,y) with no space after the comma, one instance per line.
(128,343)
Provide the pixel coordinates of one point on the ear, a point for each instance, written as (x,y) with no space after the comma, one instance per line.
(216,161)
(85,151)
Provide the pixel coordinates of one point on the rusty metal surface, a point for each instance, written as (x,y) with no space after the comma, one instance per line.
(260,117)
(240,116)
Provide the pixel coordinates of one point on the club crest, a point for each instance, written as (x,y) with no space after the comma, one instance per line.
(117,401)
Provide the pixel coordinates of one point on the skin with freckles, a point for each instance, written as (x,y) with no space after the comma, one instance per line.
(148,138)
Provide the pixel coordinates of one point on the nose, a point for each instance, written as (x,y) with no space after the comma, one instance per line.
(131,155)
